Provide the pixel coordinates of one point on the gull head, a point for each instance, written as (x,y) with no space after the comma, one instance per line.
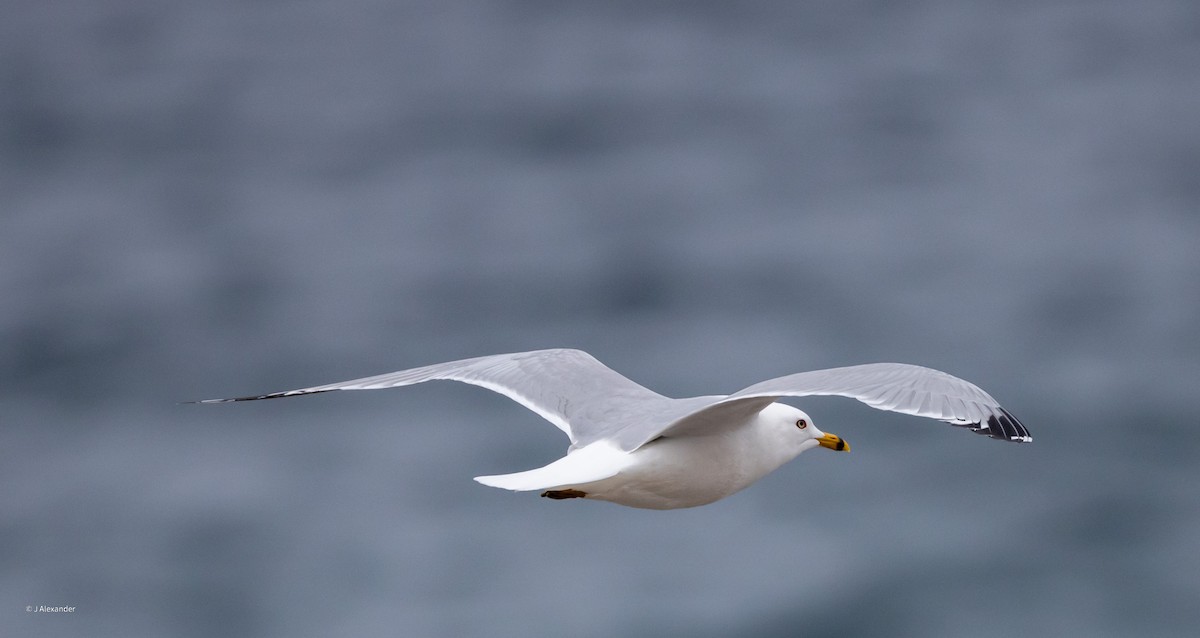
(798,429)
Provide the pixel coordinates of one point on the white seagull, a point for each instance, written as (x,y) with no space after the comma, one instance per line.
(635,447)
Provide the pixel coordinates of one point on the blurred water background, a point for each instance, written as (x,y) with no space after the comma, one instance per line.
(222,198)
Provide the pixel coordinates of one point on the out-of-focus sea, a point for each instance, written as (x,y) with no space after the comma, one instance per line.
(221,198)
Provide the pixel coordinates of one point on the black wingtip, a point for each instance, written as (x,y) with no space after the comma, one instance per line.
(222,400)
(273,395)
(1006,427)
(1002,426)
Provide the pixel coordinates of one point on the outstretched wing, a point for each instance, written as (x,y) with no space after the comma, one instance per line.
(569,388)
(897,387)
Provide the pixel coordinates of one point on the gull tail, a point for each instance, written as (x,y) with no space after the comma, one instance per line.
(593,463)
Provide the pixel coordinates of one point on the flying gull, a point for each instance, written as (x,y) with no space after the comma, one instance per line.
(635,447)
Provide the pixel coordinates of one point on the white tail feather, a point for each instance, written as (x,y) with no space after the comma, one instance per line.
(595,462)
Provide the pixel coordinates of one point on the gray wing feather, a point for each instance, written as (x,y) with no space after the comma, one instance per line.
(589,401)
(896,387)
(569,388)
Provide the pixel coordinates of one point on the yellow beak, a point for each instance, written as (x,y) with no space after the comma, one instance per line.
(834,442)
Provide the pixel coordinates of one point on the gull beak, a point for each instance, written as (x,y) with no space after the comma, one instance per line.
(833,442)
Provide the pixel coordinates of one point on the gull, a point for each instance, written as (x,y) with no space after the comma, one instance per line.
(635,447)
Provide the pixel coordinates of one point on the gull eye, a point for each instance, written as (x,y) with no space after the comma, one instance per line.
(801,424)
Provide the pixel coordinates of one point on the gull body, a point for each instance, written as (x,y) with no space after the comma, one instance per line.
(678,471)
(635,447)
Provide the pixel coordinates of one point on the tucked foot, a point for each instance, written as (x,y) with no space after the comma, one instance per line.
(558,495)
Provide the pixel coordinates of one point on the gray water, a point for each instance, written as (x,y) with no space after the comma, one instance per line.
(222,198)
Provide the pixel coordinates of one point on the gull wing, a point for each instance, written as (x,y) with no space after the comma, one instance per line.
(569,388)
(897,387)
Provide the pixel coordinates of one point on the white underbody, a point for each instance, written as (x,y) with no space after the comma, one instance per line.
(669,472)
